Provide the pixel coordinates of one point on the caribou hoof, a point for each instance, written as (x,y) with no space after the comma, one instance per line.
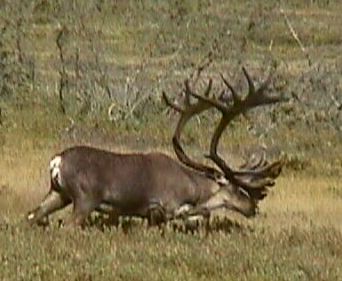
(31,219)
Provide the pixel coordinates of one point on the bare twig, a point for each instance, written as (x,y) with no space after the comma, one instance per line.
(295,36)
(293,32)
(62,71)
(271,45)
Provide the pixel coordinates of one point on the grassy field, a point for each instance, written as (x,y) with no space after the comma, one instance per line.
(127,52)
(296,236)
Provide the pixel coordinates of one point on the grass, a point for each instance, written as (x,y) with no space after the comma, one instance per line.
(290,254)
(295,237)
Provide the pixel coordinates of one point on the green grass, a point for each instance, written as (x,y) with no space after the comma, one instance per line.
(292,253)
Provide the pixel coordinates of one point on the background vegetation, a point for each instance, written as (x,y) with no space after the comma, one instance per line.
(92,72)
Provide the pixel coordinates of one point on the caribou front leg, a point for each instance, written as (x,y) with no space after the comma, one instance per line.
(194,214)
(221,200)
(190,216)
(52,202)
(156,216)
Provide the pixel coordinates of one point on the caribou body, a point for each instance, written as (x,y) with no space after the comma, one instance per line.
(154,184)
(133,184)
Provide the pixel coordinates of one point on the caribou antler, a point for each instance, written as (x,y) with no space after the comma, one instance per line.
(186,113)
(259,176)
(255,176)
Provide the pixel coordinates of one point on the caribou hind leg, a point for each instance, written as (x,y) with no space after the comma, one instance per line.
(52,202)
(82,208)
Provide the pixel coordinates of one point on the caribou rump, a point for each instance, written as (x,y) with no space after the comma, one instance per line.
(156,186)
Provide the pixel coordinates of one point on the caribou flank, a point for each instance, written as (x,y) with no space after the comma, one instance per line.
(155,185)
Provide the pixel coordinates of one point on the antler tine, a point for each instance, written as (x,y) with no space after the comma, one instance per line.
(230,87)
(253,163)
(171,104)
(211,102)
(257,97)
(249,81)
(264,84)
(188,93)
(263,161)
(208,89)
(270,170)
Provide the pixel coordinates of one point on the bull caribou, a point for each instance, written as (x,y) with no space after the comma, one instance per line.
(146,184)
